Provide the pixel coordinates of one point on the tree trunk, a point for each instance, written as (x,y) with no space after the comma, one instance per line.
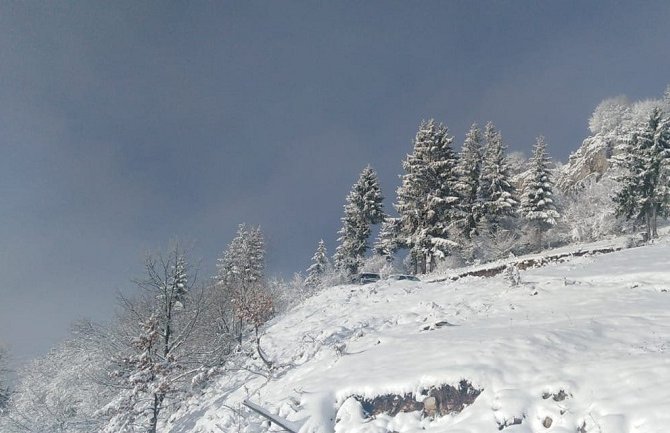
(153,422)
(648,225)
(654,232)
(239,336)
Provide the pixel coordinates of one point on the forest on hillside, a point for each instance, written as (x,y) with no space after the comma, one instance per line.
(456,205)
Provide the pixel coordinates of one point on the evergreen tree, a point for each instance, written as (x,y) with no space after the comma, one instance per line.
(241,277)
(644,192)
(496,195)
(387,242)
(243,263)
(427,198)
(363,208)
(537,206)
(370,192)
(179,279)
(319,266)
(468,171)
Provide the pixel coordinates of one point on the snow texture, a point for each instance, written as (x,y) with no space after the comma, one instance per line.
(576,346)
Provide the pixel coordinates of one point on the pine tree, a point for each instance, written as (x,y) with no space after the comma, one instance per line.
(538,207)
(387,242)
(427,200)
(241,277)
(496,195)
(468,171)
(179,280)
(371,194)
(363,208)
(318,267)
(243,263)
(644,193)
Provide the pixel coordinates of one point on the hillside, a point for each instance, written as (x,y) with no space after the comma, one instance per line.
(579,346)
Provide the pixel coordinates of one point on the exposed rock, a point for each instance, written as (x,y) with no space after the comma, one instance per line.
(527,263)
(593,158)
(558,396)
(391,404)
(430,406)
(547,422)
(509,423)
(437,325)
(438,401)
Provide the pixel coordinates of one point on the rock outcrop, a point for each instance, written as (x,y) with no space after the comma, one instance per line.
(594,157)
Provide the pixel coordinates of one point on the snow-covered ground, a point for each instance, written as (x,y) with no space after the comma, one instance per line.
(596,328)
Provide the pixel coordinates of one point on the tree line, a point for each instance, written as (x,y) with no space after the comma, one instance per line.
(449,204)
(470,206)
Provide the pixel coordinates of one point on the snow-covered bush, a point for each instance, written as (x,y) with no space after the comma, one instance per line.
(589,210)
(496,245)
(610,116)
(61,391)
(379,265)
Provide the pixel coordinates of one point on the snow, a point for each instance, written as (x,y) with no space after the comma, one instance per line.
(594,330)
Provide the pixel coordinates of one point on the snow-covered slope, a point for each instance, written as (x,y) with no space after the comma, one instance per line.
(580,346)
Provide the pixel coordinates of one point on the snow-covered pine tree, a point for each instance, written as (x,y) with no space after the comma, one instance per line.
(644,192)
(350,251)
(427,200)
(318,267)
(387,242)
(363,208)
(179,280)
(537,207)
(371,194)
(468,171)
(496,195)
(241,278)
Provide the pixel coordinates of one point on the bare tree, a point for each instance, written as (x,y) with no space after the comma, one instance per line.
(57,393)
(164,349)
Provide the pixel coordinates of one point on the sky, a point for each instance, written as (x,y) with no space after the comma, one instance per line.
(125,125)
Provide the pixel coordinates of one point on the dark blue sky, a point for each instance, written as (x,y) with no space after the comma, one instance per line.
(126,124)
